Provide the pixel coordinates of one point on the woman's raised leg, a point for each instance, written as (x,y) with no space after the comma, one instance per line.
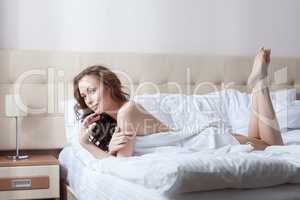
(263,127)
(268,127)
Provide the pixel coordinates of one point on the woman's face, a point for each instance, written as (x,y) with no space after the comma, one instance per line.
(96,97)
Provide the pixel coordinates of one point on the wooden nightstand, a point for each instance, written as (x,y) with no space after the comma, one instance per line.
(34,178)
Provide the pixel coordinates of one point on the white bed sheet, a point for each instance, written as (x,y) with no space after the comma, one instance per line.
(92,185)
(110,187)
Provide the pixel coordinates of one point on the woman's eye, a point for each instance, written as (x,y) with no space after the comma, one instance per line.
(92,90)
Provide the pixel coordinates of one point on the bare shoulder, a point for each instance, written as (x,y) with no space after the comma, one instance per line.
(130,110)
(132,116)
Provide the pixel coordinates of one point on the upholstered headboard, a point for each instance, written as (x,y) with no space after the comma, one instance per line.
(46,81)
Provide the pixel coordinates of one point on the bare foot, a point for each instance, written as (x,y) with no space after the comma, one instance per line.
(260,67)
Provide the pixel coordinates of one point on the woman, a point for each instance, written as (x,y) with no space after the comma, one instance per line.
(98,89)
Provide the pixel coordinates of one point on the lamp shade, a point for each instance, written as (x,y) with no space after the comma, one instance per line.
(12,108)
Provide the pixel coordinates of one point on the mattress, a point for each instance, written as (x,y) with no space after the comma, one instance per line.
(89,184)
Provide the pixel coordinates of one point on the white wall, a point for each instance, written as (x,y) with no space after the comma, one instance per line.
(157,26)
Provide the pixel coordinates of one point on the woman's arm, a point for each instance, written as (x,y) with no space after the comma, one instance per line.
(128,144)
(128,124)
(84,137)
(91,148)
(94,150)
(119,140)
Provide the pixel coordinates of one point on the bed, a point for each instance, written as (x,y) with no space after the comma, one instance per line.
(83,181)
(201,76)
(142,74)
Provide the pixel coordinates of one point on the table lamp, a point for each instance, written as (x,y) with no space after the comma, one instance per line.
(13,109)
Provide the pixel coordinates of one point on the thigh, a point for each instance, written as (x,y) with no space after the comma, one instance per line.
(257,143)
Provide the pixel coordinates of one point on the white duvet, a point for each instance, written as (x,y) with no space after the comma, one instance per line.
(194,159)
(179,169)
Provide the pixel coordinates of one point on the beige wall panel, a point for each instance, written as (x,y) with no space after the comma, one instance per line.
(155,69)
(181,68)
(133,68)
(148,88)
(90,59)
(36,97)
(4,90)
(297,80)
(35,132)
(194,69)
(128,67)
(206,69)
(7,133)
(237,70)
(4,66)
(202,88)
(63,66)
(283,71)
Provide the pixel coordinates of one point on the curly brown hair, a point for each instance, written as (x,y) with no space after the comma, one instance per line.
(108,78)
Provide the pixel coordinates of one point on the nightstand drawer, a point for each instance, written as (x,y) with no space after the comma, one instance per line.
(24,183)
(29,182)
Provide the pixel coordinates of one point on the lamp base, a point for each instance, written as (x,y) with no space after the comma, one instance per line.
(18,157)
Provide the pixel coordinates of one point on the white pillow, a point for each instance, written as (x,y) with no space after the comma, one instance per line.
(289,117)
(69,114)
(173,104)
(282,98)
(210,107)
(72,125)
(238,107)
(194,110)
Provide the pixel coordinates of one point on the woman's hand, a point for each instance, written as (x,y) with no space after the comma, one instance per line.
(119,140)
(84,134)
